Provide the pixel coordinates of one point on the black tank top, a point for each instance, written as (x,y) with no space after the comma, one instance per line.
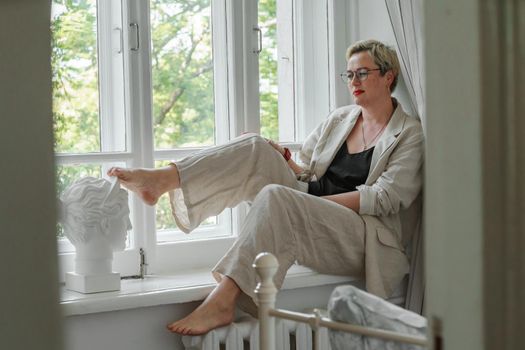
(345,173)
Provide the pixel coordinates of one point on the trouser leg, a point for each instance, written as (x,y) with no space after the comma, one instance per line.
(295,226)
(222,177)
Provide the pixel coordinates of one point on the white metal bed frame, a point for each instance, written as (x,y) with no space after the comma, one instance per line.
(266,265)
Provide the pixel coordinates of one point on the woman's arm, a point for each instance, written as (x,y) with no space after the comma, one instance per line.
(297,169)
(291,163)
(401,180)
(347,199)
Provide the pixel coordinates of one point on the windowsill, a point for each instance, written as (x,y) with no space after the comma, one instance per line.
(172,289)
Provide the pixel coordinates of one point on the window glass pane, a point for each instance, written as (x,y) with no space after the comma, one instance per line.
(182,73)
(268,70)
(75,76)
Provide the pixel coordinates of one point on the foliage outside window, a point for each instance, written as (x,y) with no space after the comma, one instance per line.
(182,73)
(75,76)
(182,79)
(268,70)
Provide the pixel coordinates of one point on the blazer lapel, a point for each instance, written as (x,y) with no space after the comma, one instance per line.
(343,130)
(340,130)
(393,129)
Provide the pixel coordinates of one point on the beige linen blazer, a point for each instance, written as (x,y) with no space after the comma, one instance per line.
(390,199)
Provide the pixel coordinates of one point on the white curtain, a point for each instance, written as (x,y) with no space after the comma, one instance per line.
(406,17)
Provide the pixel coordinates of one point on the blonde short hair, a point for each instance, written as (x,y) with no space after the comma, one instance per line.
(384,56)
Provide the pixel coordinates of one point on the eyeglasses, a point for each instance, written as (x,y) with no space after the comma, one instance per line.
(361,74)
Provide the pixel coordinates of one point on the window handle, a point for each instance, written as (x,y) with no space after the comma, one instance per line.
(137,38)
(120,39)
(260,46)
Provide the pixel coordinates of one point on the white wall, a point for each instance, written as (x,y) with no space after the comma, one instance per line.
(145,328)
(135,329)
(453,189)
(373,22)
(29,315)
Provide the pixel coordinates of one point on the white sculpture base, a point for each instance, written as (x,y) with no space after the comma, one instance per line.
(93,283)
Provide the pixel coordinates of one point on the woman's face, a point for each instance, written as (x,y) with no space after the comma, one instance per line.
(375,87)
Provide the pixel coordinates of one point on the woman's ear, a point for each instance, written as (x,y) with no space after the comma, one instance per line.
(389,78)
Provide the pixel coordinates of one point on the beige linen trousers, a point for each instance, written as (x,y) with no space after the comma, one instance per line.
(295,226)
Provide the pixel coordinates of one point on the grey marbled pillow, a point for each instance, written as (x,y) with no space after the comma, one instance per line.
(349,304)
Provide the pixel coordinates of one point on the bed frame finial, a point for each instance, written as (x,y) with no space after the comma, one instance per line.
(266,265)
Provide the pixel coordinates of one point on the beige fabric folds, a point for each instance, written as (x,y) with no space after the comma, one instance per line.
(222,177)
(295,226)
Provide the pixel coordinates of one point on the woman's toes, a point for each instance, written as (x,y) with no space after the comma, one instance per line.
(115,172)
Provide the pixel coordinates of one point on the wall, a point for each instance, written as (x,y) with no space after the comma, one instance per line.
(474,188)
(29,316)
(374,23)
(145,328)
(454,196)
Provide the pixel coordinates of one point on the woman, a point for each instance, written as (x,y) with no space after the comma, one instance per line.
(360,173)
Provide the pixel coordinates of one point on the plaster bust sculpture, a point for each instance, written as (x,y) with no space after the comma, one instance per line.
(95,217)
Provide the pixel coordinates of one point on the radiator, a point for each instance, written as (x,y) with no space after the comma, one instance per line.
(243,334)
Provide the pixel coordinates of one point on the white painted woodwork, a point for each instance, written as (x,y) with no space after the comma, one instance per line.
(285,69)
(30,317)
(266,265)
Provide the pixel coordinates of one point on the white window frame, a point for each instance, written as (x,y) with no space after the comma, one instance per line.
(111,71)
(237,108)
(236,105)
(311,56)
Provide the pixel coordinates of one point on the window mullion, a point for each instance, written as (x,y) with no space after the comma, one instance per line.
(252,120)
(285,69)
(243,77)
(312,75)
(243,67)
(339,30)
(138,111)
(111,80)
(220,70)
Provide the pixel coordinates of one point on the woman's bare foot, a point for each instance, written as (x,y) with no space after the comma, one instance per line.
(148,184)
(217,310)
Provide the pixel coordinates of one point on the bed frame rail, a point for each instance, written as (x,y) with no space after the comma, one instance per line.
(266,265)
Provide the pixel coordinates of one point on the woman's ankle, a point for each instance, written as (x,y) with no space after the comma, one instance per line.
(170,177)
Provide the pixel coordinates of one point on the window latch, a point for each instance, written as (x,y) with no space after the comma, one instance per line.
(143,267)
(137,37)
(260,45)
(143,264)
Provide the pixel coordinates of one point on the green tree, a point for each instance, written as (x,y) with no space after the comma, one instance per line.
(182,80)
(75,76)
(268,70)
(182,67)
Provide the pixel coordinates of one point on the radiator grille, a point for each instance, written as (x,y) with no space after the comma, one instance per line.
(244,335)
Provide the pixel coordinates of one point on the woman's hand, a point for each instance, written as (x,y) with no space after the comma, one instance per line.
(291,163)
(277,147)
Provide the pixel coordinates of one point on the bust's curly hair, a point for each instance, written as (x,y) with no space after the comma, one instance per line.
(86,207)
